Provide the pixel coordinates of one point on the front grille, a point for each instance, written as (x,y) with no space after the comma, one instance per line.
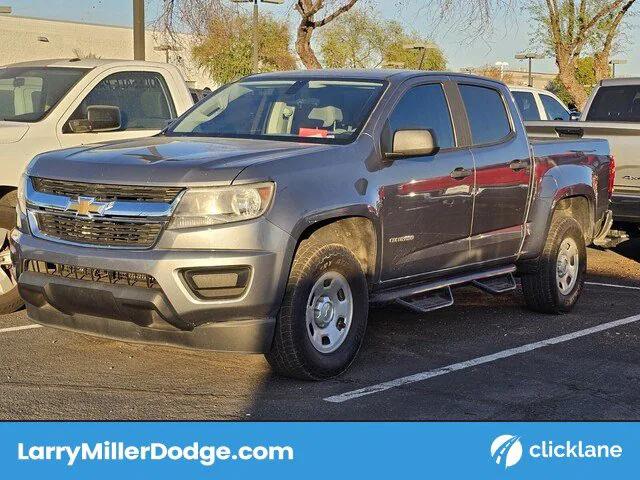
(106,193)
(107,232)
(114,277)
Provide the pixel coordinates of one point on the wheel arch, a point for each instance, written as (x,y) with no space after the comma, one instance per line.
(357,229)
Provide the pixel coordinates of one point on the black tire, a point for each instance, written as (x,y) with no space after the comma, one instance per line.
(9,301)
(540,287)
(292,353)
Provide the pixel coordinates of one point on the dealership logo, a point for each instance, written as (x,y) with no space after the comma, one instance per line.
(506,450)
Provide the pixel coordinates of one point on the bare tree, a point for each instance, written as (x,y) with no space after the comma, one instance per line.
(308,9)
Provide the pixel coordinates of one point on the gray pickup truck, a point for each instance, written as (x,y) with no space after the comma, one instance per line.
(270,216)
(613,113)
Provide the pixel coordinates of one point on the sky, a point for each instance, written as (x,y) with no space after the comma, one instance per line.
(510,31)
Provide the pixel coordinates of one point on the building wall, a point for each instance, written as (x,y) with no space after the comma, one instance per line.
(540,80)
(19,42)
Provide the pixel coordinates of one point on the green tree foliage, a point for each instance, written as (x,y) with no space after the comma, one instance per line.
(225,50)
(360,39)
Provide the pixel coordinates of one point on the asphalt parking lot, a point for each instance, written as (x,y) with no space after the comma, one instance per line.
(501,362)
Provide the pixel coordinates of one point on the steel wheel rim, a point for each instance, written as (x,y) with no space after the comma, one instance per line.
(329,312)
(7,271)
(567,266)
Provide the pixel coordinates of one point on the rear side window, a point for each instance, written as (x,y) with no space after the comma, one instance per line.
(527,105)
(616,104)
(425,108)
(555,111)
(487,114)
(143,99)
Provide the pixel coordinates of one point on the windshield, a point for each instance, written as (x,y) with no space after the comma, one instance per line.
(323,111)
(28,93)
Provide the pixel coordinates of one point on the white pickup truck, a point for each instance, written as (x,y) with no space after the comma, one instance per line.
(52,104)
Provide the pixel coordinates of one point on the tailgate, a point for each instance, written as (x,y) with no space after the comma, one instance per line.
(624,143)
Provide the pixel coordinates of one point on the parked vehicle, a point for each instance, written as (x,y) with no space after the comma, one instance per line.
(51,104)
(536,104)
(612,112)
(272,214)
(198,94)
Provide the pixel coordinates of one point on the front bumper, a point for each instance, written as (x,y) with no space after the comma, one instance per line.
(171,313)
(626,207)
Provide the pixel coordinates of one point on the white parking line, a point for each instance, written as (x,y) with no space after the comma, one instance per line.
(612,285)
(419,377)
(16,329)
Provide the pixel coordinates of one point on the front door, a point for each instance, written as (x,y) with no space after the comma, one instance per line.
(426,202)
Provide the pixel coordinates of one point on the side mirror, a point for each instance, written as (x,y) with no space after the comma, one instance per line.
(412,143)
(574,115)
(100,118)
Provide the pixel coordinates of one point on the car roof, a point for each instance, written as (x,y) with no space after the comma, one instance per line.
(607,82)
(88,63)
(377,74)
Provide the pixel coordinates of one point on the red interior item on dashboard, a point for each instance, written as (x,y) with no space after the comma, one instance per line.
(313,132)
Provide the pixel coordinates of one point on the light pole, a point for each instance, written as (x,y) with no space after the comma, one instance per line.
(529,56)
(138,30)
(166,49)
(421,47)
(255,40)
(613,64)
(502,66)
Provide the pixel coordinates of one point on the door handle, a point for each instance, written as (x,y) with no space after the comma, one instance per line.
(518,165)
(461,172)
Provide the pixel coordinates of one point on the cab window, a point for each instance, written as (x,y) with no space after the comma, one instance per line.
(142,97)
(553,108)
(425,108)
(527,105)
(487,114)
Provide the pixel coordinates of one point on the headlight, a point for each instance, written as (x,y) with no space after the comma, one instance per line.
(22,193)
(201,207)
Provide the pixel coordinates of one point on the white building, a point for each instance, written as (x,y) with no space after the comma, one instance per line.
(24,38)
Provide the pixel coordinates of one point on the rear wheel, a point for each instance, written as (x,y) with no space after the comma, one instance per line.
(323,318)
(10,300)
(556,280)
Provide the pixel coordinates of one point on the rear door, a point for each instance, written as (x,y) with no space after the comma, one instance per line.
(142,96)
(503,172)
(426,202)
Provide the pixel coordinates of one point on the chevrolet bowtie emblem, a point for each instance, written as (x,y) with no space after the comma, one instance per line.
(87,207)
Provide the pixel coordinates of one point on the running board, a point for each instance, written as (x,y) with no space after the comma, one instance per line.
(428,301)
(417,289)
(496,285)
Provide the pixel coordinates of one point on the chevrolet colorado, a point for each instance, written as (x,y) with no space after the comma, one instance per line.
(270,216)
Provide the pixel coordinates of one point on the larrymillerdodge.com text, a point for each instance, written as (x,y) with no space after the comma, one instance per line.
(206,455)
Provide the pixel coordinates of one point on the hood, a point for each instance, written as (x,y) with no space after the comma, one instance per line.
(180,161)
(12,132)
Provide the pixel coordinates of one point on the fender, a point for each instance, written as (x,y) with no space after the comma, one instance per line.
(356,210)
(556,184)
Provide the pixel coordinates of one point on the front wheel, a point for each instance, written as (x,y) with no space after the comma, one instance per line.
(557,279)
(323,318)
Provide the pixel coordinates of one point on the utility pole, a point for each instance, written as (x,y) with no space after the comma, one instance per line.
(138,30)
(254,51)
